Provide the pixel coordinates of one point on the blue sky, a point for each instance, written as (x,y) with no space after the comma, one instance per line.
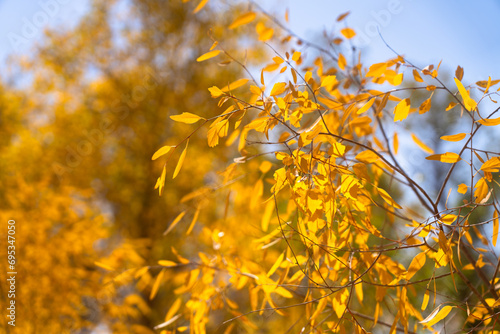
(459,32)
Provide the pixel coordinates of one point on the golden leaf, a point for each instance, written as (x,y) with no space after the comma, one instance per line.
(489,122)
(448,157)
(162,151)
(402,110)
(348,33)
(208,55)
(243,19)
(469,103)
(278,88)
(186,117)
(457,137)
(421,144)
(233,85)
(181,161)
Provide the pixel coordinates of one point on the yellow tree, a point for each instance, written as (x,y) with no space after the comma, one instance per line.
(299,243)
(76,161)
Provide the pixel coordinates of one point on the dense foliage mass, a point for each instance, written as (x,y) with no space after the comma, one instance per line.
(295,205)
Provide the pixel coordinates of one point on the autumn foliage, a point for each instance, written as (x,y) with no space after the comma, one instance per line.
(287,203)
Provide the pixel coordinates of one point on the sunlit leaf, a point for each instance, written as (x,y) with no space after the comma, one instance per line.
(457,137)
(402,110)
(208,55)
(388,199)
(234,85)
(489,122)
(448,157)
(181,160)
(174,223)
(469,103)
(162,151)
(186,117)
(421,144)
(242,20)
(348,33)
(437,315)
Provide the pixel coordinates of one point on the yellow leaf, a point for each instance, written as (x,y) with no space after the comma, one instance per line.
(489,122)
(376,70)
(342,62)
(469,103)
(195,218)
(156,285)
(416,264)
(397,79)
(233,85)
(243,19)
(181,161)
(421,144)
(491,165)
(495,228)
(186,117)
(437,315)
(348,33)
(402,110)
(264,32)
(387,198)
(448,219)
(162,151)
(173,309)
(208,55)
(174,223)
(425,301)
(417,76)
(296,56)
(215,92)
(457,137)
(276,264)
(200,6)
(266,217)
(447,157)
(367,156)
(328,81)
(104,266)
(462,188)
(166,263)
(481,189)
(366,106)
(278,88)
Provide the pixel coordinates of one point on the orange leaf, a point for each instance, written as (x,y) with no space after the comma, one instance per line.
(200,6)
(489,122)
(448,157)
(348,33)
(457,137)
(342,62)
(421,144)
